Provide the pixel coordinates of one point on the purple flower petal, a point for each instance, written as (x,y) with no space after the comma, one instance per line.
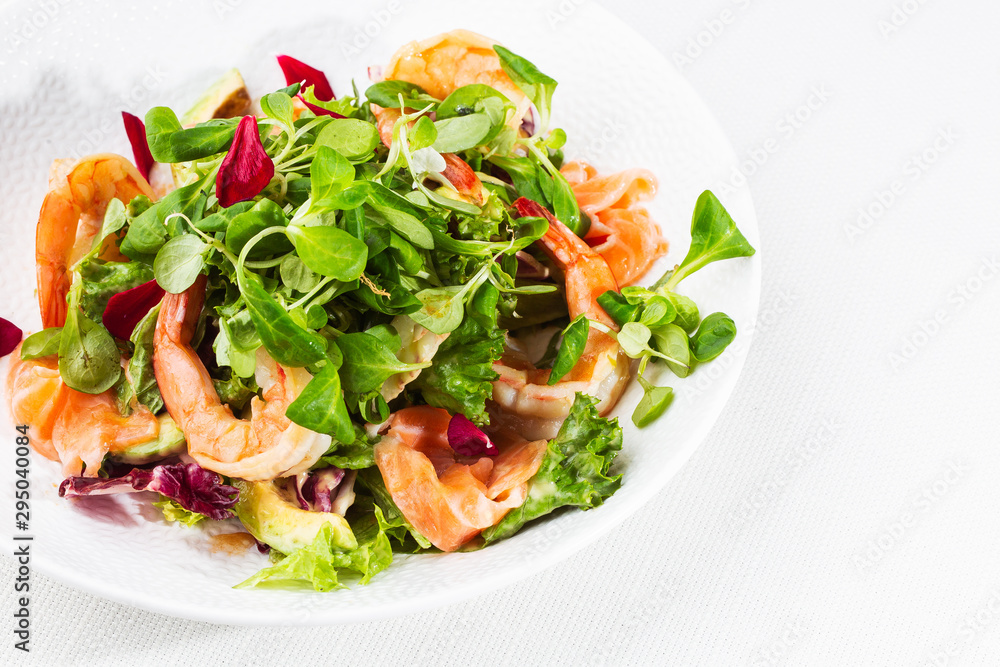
(246,169)
(125,309)
(10,336)
(136,132)
(191,486)
(467,440)
(296,71)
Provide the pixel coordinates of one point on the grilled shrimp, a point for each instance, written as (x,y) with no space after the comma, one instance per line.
(266,446)
(447,498)
(67,425)
(621,230)
(440,65)
(525,401)
(448,61)
(75,428)
(71,216)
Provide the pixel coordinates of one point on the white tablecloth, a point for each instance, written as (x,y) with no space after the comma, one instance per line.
(843,510)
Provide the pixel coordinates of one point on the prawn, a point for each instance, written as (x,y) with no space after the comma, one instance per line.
(266,446)
(621,230)
(526,402)
(71,216)
(447,498)
(66,425)
(75,428)
(440,65)
(446,62)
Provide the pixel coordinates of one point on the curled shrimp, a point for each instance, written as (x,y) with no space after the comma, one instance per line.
(446,62)
(440,65)
(449,499)
(526,402)
(266,446)
(71,216)
(66,425)
(621,230)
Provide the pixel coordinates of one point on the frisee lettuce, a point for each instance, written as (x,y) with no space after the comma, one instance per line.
(574,471)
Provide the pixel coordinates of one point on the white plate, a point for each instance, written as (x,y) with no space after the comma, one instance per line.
(621,104)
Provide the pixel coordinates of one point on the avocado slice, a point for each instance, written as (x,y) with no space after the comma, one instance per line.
(274,520)
(226,98)
(170,441)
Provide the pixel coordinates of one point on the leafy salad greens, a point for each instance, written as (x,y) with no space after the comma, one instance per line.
(316,234)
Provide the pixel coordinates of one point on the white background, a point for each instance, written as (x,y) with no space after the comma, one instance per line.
(845,509)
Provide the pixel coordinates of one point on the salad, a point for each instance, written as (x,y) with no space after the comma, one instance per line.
(387,322)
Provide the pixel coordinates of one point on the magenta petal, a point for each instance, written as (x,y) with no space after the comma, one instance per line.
(296,71)
(136,132)
(247,169)
(10,336)
(467,440)
(125,309)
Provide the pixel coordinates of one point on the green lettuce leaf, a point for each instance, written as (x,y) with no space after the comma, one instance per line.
(462,375)
(172,511)
(359,454)
(574,470)
(318,564)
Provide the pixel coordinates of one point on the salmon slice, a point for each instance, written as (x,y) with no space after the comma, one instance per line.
(449,499)
(621,230)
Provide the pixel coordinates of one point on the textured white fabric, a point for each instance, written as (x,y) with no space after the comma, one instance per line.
(844,511)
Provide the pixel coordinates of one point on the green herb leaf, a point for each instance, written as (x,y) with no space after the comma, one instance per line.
(330,173)
(278,105)
(537,86)
(673,342)
(171,143)
(714,236)
(115,217)
(41,344)
(618,307)
(321,408)
(89,360)
(265,214)
(714,335)
(179,262)
(355,139)
(368,362)
(330,251)
(286,341)
(653,403)
(574,340)
(688,316)
(461,133)
(463,101)
(386,93)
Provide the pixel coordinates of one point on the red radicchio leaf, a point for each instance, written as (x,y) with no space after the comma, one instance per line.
(10,336)
(136,132)
(316,490)
(125,309)
(467,440)
(246,169)
(296,71)
(188,484)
